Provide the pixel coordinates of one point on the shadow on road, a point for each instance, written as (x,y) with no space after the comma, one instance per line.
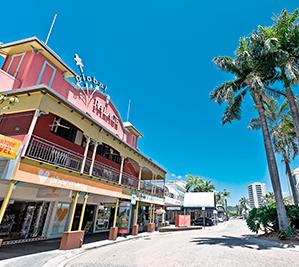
(231,242)
(12,251)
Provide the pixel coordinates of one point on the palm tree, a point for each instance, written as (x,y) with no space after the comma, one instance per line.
(205,186)
(244,202)
(281,43)
(193,182)
(225,195)
(219,198)
(251,75)
(283,135)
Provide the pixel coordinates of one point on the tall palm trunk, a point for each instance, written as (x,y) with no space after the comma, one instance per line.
(291,181)
(293,107)
(272,166)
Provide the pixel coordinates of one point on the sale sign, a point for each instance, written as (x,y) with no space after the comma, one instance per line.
(9,147)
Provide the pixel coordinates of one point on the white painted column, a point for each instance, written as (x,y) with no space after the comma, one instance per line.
(139,177)
(93,158)
(30,132)
(85,154)
(121,169)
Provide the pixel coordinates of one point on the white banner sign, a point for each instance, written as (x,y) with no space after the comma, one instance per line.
(151,199)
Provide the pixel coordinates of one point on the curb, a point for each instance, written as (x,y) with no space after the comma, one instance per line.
(274,244)
(178,229)
(62,260)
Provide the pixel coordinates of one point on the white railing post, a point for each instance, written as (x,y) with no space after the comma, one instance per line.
(85,154)
(93,158)
(121,169)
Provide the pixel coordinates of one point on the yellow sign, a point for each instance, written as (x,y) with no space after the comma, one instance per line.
(9,147)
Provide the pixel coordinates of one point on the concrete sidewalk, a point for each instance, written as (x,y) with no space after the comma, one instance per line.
(61,257)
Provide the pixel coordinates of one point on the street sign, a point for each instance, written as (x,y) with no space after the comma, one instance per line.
(134,198)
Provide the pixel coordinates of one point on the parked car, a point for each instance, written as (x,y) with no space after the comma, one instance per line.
(199,221)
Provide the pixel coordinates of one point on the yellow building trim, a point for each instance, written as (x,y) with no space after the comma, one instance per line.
(48,103)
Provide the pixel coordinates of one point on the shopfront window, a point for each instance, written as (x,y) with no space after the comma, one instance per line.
(60,219)
(23,220)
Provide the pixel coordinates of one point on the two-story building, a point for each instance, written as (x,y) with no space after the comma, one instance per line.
(79,168)
(174,199)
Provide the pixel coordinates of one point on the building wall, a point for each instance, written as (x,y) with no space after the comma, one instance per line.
(33,68)
(16,125)
(256,192)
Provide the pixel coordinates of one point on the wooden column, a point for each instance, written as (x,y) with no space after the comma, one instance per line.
(93,158)
(74,204)
(30,132)
(82,212)
(85,154)
(6,199)
(115,213)
(136,213)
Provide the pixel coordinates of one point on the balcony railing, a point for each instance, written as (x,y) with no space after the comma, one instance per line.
(147,187)
(46,151)
(129,180)
(49,152)
(102,171)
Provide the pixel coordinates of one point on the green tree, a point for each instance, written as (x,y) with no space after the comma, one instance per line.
(269,199)
(205,186)
(243,203)
(6,102)
(225,195)
(252,72)
(280,46)
(283,43)
(193,182)
(283,135)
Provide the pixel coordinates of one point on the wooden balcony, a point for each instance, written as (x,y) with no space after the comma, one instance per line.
(43,150)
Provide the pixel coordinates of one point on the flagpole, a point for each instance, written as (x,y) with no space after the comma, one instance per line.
(51,29)
(129,107)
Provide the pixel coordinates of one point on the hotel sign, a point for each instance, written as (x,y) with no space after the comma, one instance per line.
(89,86)
(9,147)
(88,81)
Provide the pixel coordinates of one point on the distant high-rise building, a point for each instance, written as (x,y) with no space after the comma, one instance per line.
(256,192)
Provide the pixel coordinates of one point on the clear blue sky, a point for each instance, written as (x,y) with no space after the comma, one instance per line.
(158,54)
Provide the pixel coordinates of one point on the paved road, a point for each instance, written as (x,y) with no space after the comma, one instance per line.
(223,245)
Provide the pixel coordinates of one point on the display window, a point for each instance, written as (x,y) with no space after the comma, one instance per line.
(102,218)
(124,217)
(23,220)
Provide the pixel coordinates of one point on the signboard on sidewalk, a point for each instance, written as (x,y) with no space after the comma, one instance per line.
(9,147)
